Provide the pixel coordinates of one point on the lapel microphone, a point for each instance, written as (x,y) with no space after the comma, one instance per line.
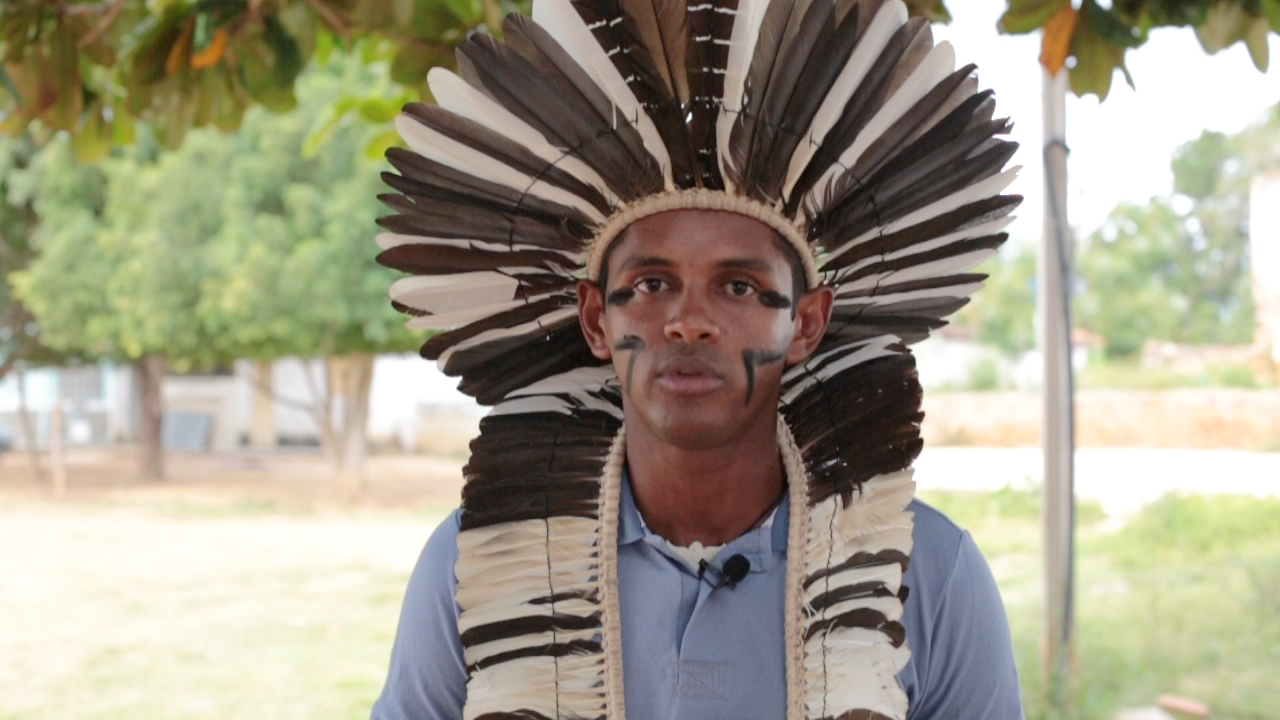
(729,575)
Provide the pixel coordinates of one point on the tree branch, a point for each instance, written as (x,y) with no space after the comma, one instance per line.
(265,387)
(416,42)
(107,19)
(8,364)
(331,18)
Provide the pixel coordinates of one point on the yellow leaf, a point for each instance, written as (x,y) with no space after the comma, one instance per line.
(180,51)
(1055,43)
(211,55)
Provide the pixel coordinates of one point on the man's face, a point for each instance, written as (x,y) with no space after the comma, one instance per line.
(700,318)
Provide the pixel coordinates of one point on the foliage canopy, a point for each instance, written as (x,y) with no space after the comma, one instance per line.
(95,67)
(231,246)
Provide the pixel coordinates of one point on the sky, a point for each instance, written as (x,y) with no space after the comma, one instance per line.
(1120,149)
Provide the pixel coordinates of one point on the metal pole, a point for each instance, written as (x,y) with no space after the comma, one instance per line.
(1058,429)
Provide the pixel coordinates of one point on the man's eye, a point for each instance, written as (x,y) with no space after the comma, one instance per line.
(740,288)
(651,285)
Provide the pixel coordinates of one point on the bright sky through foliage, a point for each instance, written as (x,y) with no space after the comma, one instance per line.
(1120,149)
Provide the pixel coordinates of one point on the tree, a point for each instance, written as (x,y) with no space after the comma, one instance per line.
(95,67)
(1178,268)
(292,265)
(1002,312)
(117,273)
(231,246)
(18,339)
(1091,40)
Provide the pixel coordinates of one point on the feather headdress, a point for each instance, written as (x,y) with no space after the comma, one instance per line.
(840,124)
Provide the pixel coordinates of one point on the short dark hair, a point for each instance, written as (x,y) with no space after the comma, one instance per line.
(799,283)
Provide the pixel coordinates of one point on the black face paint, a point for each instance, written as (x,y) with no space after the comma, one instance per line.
(621,296)
(636,346)
(777,301)
(751,359)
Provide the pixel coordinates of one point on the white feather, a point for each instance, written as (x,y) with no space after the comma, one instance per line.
(956,291)
(742,47)
(987,188)
(461,291)
(892,15)
(565,25)
(447,151)
(866,354)
(937,65)
(454,94)
(987,228)
(936,268)
(459,318)
(573,381)
(799,371)
(551,318)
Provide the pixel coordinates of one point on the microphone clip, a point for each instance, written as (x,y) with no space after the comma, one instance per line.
(733,571)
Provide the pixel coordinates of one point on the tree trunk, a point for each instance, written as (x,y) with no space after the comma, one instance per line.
(150,369)
(28,428)
(321,413)
(350,378)
(262,432)
(58,449)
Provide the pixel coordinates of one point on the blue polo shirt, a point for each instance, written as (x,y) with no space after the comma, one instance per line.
(694,652)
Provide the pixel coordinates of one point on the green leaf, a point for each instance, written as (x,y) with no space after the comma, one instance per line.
(1256,41)
(92,141)
(325,45)
(1271,9)
(1111,28)
(123,131)
(1096,62)
(1226,23)
(376,110)
(411,64)
(287,63)
(301,25)
(7,83)
(325,125)
(935,11)
(402,11)
(229,102)
(1024,16)
(377,148)
(64,62)
(468,12)
(262,81)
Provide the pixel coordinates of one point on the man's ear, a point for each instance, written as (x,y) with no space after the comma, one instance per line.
(813,313)
(591,318)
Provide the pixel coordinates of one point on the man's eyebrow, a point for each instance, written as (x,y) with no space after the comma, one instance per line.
(645,261)
(746,264)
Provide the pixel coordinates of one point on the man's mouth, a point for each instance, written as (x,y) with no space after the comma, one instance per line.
(689,376)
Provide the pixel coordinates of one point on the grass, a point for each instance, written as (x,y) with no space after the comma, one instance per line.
(245,609)
(1182,599)
(1129,374)
(158,610)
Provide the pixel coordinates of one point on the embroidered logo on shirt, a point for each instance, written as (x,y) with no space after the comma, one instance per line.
(699,679)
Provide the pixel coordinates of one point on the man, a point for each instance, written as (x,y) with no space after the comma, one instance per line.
(699,290)
(687,293)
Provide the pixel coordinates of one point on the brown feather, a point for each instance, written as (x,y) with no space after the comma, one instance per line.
(619,37)
(664,31)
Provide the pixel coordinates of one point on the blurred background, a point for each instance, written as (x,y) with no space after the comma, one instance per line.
(220,454)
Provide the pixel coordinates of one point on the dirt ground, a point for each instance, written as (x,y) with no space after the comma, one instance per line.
(288,478)
(248,586)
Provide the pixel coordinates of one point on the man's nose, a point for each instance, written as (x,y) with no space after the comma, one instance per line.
(691,320)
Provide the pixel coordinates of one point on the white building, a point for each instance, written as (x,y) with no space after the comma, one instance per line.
(409,401)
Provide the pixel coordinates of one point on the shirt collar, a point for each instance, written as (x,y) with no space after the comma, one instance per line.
(631,530)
